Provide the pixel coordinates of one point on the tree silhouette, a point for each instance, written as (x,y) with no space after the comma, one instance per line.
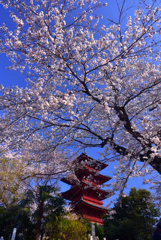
(133,217)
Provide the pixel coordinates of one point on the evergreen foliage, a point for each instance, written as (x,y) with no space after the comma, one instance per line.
(133,217)
(41,213)
(68,228)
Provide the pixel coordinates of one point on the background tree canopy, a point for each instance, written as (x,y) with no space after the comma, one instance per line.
(133,217)
(42,213)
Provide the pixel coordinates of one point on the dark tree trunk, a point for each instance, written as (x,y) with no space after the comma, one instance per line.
(39,220)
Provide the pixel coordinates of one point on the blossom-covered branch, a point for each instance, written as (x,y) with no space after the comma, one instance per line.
(88,84)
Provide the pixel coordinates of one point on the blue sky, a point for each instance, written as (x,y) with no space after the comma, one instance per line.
(8,77)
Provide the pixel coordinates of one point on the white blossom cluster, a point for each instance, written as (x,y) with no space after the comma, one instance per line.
(88,84)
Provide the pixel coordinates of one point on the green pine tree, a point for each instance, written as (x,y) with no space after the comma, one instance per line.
(133,217)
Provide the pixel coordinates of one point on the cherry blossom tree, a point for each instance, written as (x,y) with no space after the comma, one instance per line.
(91,83)
(11,177)
(18,174)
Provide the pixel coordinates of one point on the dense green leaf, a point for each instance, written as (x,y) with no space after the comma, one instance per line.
(133,217)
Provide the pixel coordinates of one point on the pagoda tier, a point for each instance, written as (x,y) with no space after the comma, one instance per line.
(87,175)
(85,193)
(90,211)
(84,189)
(86,160)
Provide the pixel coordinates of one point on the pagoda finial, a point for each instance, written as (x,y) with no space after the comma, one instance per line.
(85,150)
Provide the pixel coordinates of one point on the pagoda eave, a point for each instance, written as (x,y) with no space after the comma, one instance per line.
(90,211)
(69,194)
(97,176)
(86,160)
(81,203)
(70,179)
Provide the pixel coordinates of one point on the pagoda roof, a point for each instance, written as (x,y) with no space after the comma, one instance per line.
(88,204)
(70,179)
(69,194)
(86,166)
(86,160)
(92,175)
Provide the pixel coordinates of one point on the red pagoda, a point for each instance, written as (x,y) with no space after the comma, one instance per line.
(85,192)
